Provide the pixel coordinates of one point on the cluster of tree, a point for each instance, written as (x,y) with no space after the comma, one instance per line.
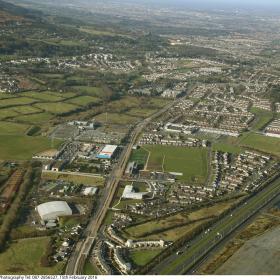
(46,260)
(30,179)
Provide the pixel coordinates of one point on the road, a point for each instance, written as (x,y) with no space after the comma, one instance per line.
(78,257)
(204,243)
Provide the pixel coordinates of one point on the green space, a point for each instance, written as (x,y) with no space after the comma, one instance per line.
(45,95)
(15,147)
(226,148)
(173,227)
(93,91)
(16,101)
(261,143)
(35,118)
(12,128)
(57,107)
(23,257)
(26,109)
(115,118)
(83,100)
(140,156)
(192,162)
(7,113)
(77,179)
(90,269)
(262,118)
(142,258)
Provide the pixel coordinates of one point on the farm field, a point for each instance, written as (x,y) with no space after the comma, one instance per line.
(12,128)
(7,113)
(92,91)
(27,109)
(16,101)
(261,143)
(192,162)
(83,100)
(45,96)
(23,257)
(57,107)
(115,118)
(35,118)
(15,147)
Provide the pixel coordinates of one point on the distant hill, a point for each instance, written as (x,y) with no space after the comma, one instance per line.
(16,11)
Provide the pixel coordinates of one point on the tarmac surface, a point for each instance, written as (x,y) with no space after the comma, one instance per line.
(258,256)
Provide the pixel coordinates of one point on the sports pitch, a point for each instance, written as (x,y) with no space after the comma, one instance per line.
(192,162)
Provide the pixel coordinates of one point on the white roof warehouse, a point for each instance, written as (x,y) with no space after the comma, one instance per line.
(54,209)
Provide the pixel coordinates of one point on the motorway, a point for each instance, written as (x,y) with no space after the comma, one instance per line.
(199,247)
(83,247)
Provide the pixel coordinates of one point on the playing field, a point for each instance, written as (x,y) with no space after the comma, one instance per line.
(23,257)
(18,147)
(192,162)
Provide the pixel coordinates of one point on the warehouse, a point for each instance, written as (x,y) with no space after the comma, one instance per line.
(53,210)
(130,193)
(107,152)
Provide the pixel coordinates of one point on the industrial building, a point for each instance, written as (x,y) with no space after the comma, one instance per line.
(107,152)
(53,210)
(130,193)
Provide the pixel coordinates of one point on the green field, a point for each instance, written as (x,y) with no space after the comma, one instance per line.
(23,257)
(83,100)
(175,226)
(6,113)
(26,109)
(57,107)
(261,143)
(16,101)
(262,118)
(89,269)
(35,118)
(192,162)
(12,128)
(115,118)
(140,156)
(93,91)
(78,179)
(226,148)
(15,147)
(46,96)
(142,258)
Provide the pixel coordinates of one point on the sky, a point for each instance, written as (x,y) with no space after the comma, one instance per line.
(254,4)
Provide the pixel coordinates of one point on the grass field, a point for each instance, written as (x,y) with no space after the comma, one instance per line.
(12,128)
(35,118)
(173,227)
(16,101)
(83,100)
(6,113)
(226,148)
(93,91)
(115,118)
(79,179)
(89,269)
(192,162)
(262,118)
(23,257)
(27,109)
(46,96)
(262,143)
(142,258)
(15,147)
(140,156)
(57,107)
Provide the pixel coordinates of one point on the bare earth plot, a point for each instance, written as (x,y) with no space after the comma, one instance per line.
(258,256)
